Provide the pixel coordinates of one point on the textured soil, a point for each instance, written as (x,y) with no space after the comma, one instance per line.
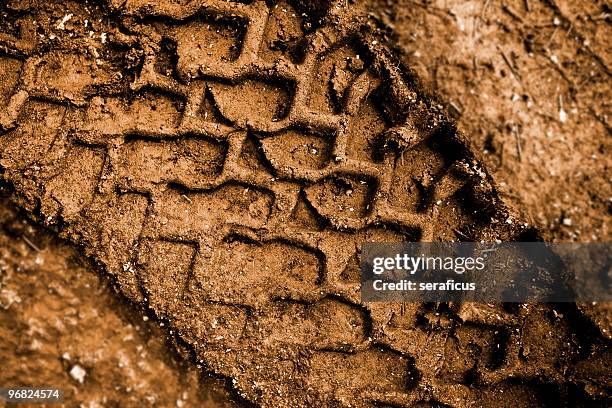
(529,82)
(221,163)
(58,319)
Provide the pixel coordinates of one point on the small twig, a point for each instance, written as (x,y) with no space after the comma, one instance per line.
(456,107)
(552,36)
(512,70)
(562,113)
(559,68)
(484,9)
(516,75)
(511,13)
(519,150)
(602,16)
(569,30)
(30,243)
(527,8)
(461,233)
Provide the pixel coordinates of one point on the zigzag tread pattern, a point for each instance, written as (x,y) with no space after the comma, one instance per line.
(224,161)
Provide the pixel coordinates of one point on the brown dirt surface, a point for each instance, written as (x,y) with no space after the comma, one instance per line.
(62,326)
(529,82)
(222,162)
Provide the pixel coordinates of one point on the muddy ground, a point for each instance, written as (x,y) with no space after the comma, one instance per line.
(63,326)
(529,84)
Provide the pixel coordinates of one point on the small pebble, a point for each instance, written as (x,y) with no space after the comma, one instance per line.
(78,373)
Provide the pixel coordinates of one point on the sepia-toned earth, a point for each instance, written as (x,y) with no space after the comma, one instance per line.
(186,186)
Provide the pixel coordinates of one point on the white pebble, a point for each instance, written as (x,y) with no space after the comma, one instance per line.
(78,373)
